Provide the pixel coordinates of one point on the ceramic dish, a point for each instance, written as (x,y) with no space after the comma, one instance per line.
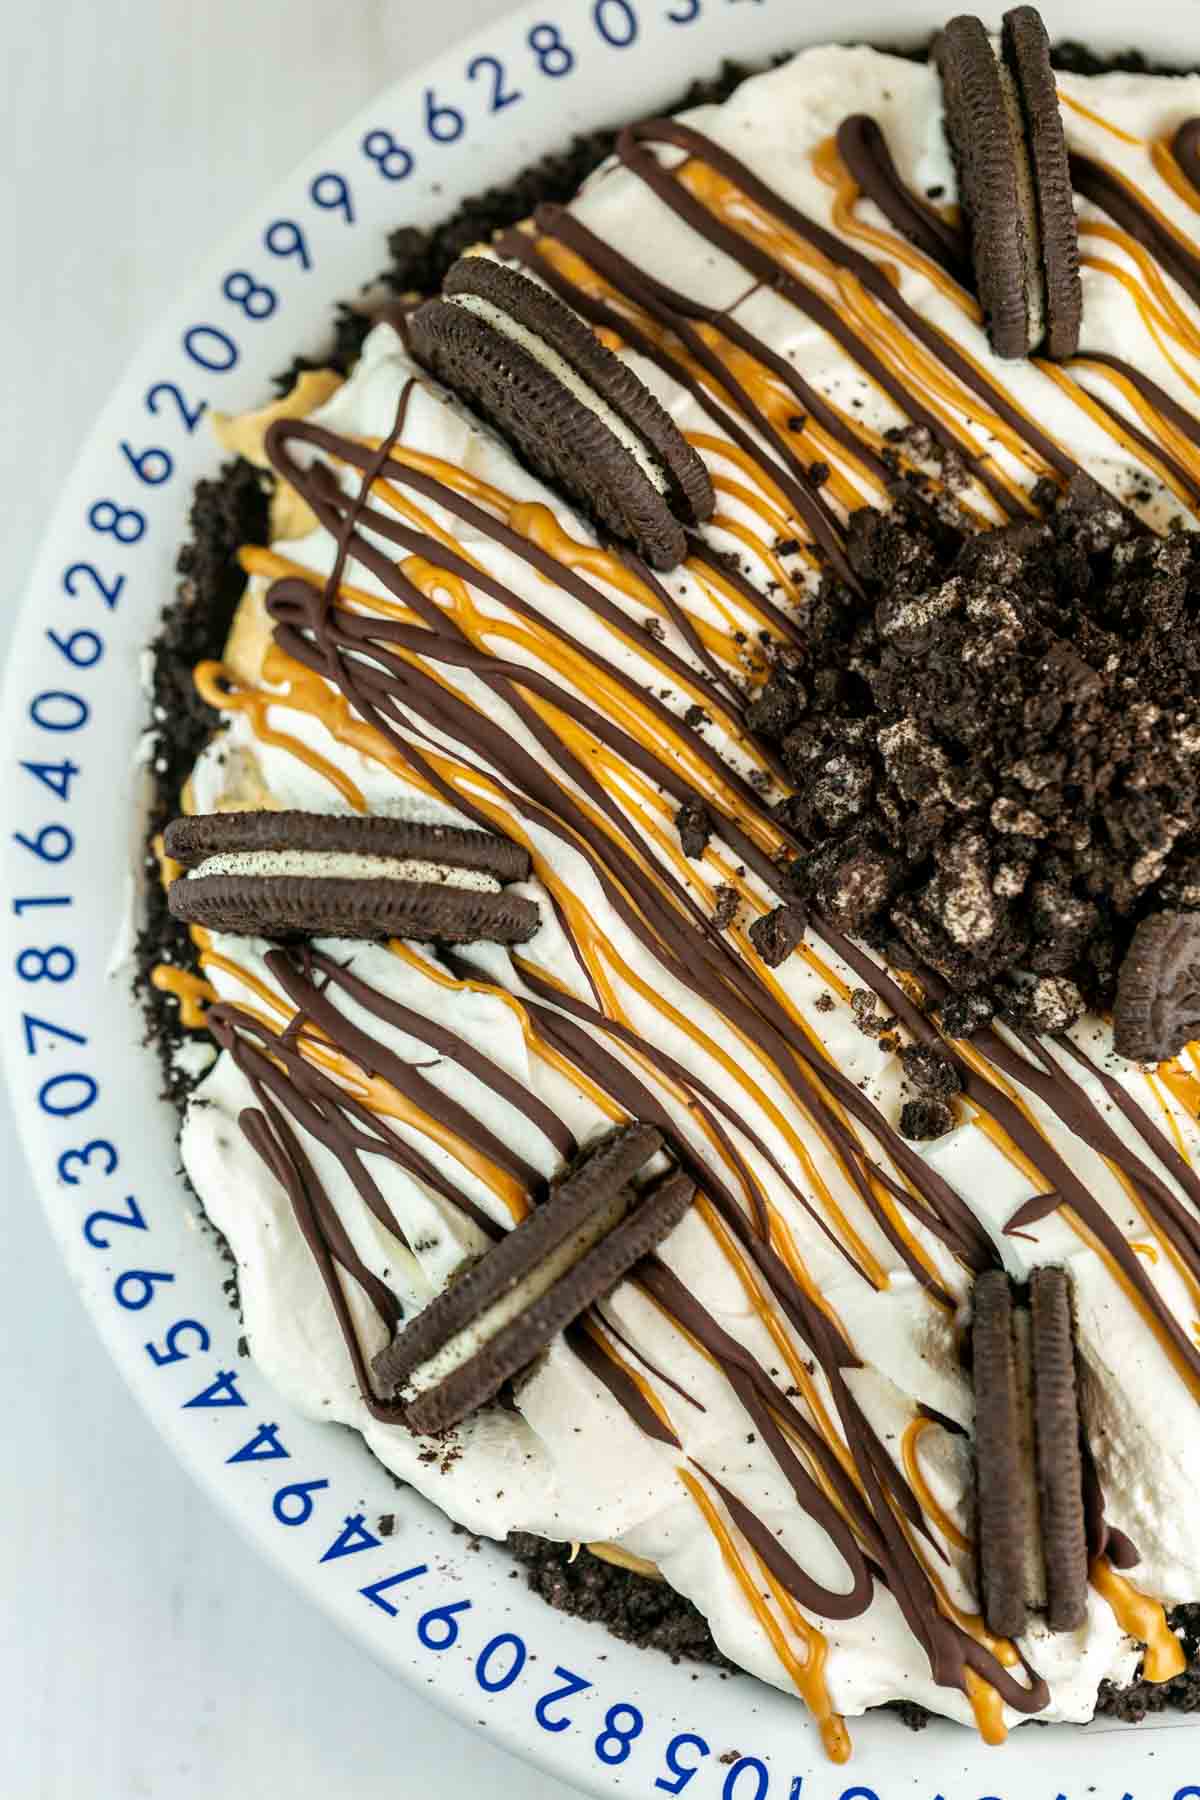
(101,1144)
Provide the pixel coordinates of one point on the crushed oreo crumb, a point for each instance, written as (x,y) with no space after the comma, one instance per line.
(995,746)
(930,1072)
(725,911)
(925,1119)
(693,822)
(776,934)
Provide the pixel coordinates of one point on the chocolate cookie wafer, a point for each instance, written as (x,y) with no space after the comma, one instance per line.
(288,875)
(578,414)
(1004,1525)
(494,1320)
(1056,1448)
(1005,128)
(1157,1008)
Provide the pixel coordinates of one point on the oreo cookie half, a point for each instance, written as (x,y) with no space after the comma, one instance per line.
(492,1321)
(1006,133)
(290,875)
(1157,1008)
(1056,1445)
(577,413)
(1004,1525)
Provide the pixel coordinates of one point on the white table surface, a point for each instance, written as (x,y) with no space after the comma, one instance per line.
(175,1664)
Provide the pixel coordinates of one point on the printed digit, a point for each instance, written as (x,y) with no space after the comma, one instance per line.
(81,648)
(131,1218)
(20,907)
(444,124)
(97,1147)
(489,1681)
(553,56)
(758,1792)
(393,161)
(571,1684)
(40,846)
(683,1741)
(125,523)
(331,192)
(301,1493)
(685,13)
(438,1628)
(500,96)
(57,1086)
(284,238)
(110,593)
(196,341)
(55,964)
(621,1736)
(616,22)
(376,1591)
(43,707)
(170,1352)
(134,1289)
(152,466)
(57,776)
(191,415)
(57,1034)
(255,300)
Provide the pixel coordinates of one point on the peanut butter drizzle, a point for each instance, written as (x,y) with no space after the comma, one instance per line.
(193,993)
(988,1708)
(1095,118)
(1182,1084)
(1144,1249)
(808,1677)
(1143,1619)
(930,1506)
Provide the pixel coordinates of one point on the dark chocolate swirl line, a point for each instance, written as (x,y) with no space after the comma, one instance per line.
(864,150)
(1186,151)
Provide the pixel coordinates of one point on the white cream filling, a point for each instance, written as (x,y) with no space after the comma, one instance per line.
(560,368)
(1035,274)
(344,864)
(474,1336)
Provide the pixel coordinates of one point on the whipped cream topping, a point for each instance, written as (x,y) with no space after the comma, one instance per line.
(571,1462)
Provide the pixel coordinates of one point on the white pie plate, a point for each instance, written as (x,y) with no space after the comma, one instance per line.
(100,1141)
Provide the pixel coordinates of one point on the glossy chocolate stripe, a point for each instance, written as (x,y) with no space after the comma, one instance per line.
(624,1390)
(1186,149)
(864,150)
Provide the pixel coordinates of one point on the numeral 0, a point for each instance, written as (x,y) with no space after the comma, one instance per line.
(616,22)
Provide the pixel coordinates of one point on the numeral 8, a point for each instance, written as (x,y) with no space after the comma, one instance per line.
(55,964)
(255,300)
(393,160)
(125,523)
(553,56)
(621,1736)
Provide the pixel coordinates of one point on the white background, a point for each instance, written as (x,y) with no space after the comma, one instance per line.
(173,1663)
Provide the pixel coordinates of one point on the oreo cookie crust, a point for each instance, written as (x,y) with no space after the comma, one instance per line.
(1005,129)
(289,875)
(577,413)
(571,1251)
